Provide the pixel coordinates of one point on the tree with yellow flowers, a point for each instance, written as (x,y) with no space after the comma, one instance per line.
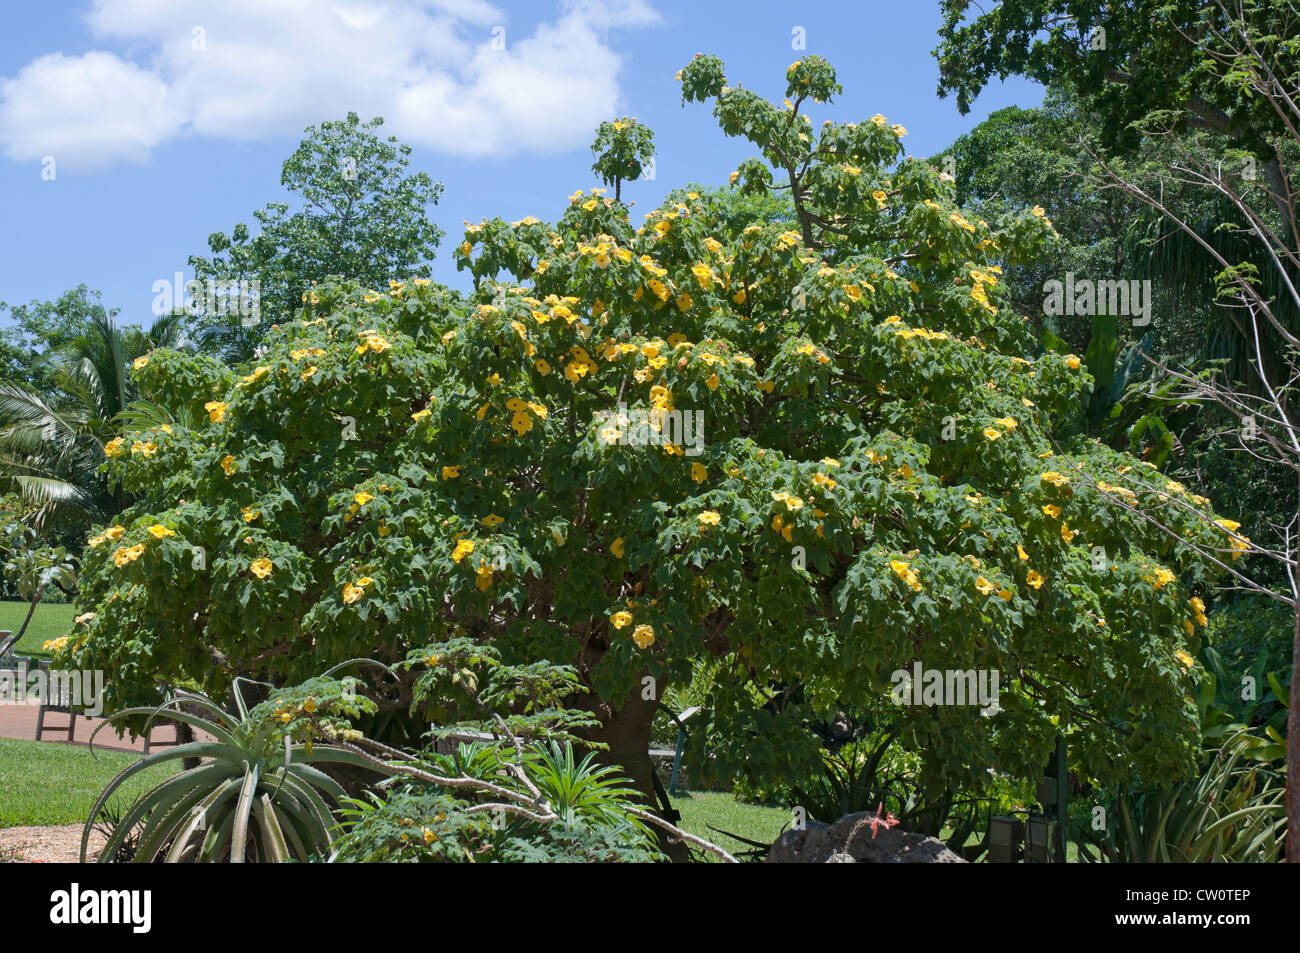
(884,478)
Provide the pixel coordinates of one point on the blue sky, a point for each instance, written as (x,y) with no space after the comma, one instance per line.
(169,120)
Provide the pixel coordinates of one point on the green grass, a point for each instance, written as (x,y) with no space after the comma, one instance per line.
(43,783)
(700,809)
(49,622)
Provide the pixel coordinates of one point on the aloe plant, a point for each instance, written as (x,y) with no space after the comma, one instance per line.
(1234,813)
(258,795)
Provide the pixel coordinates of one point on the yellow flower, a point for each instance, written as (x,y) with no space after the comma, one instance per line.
(228,464)
(1052,510)
(451,473)
(362,498)
(1159,577)
(1184,659)
(483,578)
(699,473)
(216,410)
(115,532)
(421,414)
(463,549)
(617,548)
(991,434)
(712,382)
(1054,478)
(710,517)
(307,372)
(542,367)
(127,554)
(1020,551)
(905,572)
(492,520)
(620,620)
(983,585)
(159,531)
(1036,579)
(1067,534)
(521,423)
(352,593)
(1072,362)
(643,636)
(140,362)
(261,568)
(113,447)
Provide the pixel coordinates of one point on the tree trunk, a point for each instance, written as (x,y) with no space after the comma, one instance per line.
(31,610)
(1293,740)
(627,732)
(1279,187)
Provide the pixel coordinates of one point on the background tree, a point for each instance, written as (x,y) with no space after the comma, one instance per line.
(1127,61)
(361,216)
(40,329)
(52,441)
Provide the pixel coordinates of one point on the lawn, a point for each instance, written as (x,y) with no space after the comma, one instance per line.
(43,783)
(49,622)
(704,809)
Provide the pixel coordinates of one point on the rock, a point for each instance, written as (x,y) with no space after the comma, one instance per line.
(849,841)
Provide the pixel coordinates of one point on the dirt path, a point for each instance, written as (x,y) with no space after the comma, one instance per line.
(47,845)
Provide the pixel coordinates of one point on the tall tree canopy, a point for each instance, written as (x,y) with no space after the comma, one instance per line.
(884,477)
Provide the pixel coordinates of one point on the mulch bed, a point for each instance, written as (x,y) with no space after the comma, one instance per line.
(46,845)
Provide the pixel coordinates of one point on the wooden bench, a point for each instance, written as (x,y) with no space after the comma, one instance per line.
(56,695)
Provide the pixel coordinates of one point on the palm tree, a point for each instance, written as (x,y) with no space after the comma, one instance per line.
(52,445)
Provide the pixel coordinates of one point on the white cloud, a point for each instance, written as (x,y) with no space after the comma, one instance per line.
(247,69)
